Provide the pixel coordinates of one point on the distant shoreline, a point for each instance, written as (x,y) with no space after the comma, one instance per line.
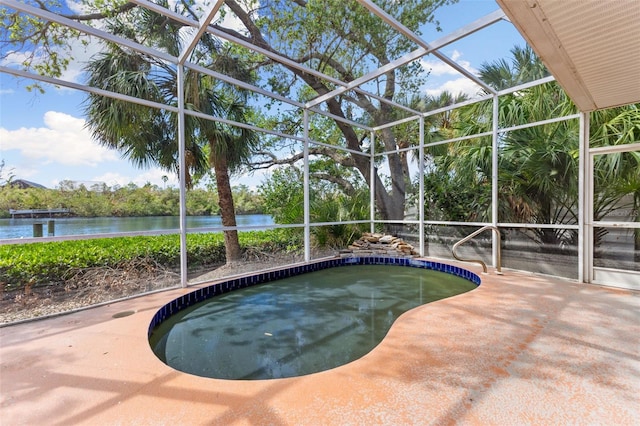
(78,225)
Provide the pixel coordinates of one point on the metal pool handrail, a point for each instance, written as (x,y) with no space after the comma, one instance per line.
(470,236)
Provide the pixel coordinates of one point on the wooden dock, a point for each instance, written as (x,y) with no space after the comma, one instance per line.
(37,213)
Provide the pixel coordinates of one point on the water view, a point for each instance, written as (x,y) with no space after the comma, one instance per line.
(23,228)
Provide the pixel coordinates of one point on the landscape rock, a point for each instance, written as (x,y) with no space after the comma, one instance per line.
(375,244)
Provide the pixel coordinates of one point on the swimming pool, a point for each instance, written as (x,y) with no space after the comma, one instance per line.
(315,317)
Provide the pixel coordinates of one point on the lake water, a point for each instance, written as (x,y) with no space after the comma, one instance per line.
(23,228)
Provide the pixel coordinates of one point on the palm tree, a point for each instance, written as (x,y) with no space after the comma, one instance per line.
(524,67)
(617,174)
(538,166)
(148,136)
(451,193)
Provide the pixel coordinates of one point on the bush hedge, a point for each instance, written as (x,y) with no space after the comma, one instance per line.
(50,262)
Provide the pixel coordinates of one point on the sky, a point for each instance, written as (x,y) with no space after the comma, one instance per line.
(43,139)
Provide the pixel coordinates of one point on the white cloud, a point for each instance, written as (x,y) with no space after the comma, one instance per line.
(18,171)
(457,86)
(62,140)
(443,77)
(112,179)
(438,68)
(153,176)
(14,59)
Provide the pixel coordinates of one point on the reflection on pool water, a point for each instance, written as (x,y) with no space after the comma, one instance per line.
(298,325)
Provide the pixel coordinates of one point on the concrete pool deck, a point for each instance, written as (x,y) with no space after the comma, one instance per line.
(520,349)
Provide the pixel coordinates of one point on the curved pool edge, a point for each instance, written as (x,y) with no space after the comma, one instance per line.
(204,293)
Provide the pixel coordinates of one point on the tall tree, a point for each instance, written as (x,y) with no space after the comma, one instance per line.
(343,40)
(338,38)
(149,136)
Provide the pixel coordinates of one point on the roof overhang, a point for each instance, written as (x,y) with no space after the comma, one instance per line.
(592,47)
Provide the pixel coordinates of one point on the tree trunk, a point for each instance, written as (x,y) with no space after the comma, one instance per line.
(390,204)
(227,210)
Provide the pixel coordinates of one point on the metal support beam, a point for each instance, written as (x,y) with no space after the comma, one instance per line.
(583,199)
(372,179)
(421,188)
(183,177)
(307,215)
(494,182)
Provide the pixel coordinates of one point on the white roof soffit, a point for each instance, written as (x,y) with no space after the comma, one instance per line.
(592,47)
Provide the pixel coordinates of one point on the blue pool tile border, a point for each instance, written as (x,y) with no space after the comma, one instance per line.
(219,288)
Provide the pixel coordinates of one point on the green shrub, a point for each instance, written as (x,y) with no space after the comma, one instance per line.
(50,262)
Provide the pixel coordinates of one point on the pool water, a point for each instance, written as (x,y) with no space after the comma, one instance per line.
(298,325)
